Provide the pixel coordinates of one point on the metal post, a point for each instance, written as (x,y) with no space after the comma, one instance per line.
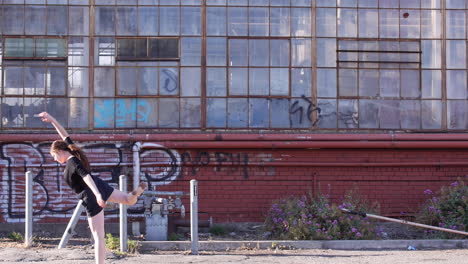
(28,210)
(194,216)
(123,216)
(69,231)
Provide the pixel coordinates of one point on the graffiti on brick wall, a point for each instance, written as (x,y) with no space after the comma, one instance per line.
(52,196)
(233,162)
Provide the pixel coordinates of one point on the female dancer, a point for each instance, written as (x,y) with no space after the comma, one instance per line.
(92,190)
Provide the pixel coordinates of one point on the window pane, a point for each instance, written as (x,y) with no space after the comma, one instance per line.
(259,113)
(456,22)
(456,4)
(301,52)
(126,81)
(105,21)
(326,52)
(369,114)
(328,117)
(190,81)
(78,20)
(368,83)
(168,81)
(169,21)
(431,3)
(147,113)
(347,82)
(33,106)
(410,3)
(326,22)
(279,52)
(126,21)
(301,2)
(300,22)
(56,83)
(389,83)
(190,112)
(237,112)
(216,81)
(148,23)
(301,79)
(104,84)
(347,22)
(216,2)
(78,81)
(410,114)
(216,112)
(301,112)
(51,47)
(238,81)
(125,113)
(279,113)
(409,23)
(237,21)
(78,117)
(238,51)
(326,83)
(147,81)
(258,52)
(279,21)
(410,86)
(57,20)
(368,28)
(326,3)
(13,82)
(164,48)
(431,84)
(216,21)
(456,54)
(258,21)
(191,51)
(431,24)
(191,21)
(457,114)
(35,17)
(169,112)
(78,51)
(456,85)
(216,51)
(259,81)
(279,81)
(389,23)
(105,51)
(389,114)
(431,53)
(13,20)
(431,114)
(16,47)
(104,110)
(34,80)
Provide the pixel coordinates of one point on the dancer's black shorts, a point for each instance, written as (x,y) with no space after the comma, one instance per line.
(89,199)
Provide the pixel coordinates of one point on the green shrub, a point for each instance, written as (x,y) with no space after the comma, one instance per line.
(113,243)
(304,218)
(15,236)
(447,208)
(218,230)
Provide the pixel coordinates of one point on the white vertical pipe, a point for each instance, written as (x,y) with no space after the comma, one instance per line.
(28,210)
(194,216)
(136,164)
(123,216)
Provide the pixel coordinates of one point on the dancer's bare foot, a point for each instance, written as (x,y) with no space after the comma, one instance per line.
(140,189)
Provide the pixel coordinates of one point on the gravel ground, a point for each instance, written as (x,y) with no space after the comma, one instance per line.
(85,255)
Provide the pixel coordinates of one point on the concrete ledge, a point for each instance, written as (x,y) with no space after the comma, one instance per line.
(334,244)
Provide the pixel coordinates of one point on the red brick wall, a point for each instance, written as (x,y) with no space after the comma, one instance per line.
(234,184)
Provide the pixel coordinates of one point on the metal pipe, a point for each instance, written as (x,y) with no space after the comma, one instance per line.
(240,137)
(405,222)
(123,216)
(71,225)
(194,216)
(28,210)
(136,163)
(158,193)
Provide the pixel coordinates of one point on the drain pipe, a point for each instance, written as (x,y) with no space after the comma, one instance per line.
(136,163)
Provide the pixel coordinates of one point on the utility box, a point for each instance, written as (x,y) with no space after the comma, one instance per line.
(156,223)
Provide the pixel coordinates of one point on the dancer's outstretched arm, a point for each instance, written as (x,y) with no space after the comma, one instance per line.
(46,117)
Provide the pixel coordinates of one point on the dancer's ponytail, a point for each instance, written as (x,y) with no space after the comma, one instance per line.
(72,149)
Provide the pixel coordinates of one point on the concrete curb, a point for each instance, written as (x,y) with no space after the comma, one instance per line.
(288,244)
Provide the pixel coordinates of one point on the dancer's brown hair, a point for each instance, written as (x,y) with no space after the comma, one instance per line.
(72,149)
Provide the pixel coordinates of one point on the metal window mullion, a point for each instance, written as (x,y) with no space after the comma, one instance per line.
(443,66)
(91,64)
(203,70)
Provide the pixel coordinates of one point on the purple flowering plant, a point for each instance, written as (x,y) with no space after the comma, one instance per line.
(317,218)
(447,208)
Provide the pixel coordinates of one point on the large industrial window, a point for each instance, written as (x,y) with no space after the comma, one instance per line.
(147,49)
